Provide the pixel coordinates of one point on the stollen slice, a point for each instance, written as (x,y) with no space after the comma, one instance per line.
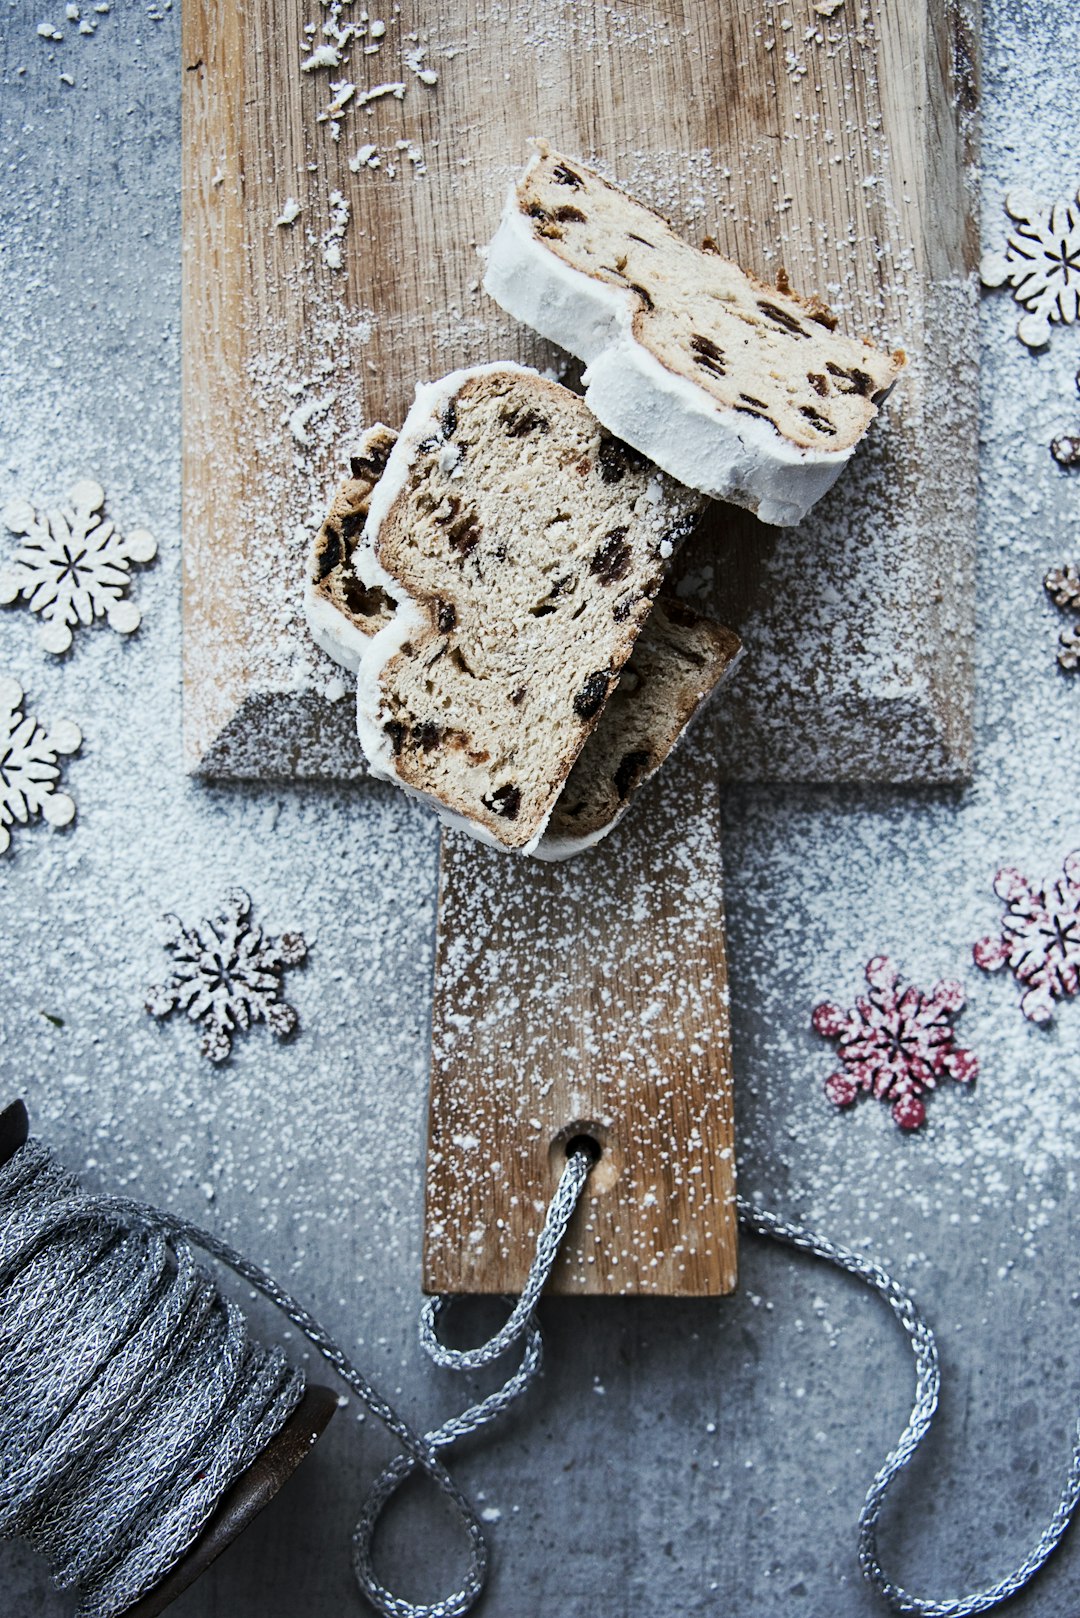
(523,547)
(745,391)
(343,613)
(678,660)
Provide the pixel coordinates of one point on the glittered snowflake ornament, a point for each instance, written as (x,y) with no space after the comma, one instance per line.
(1039,938)
(1041,263)
(1063,585)
(896,1044)
(227,976)
(73,565)
(29,772)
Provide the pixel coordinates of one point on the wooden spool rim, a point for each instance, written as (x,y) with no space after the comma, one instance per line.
(253,1490)
(14,1129)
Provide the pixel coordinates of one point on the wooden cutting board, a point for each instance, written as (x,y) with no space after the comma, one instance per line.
(833,139)
(839,146)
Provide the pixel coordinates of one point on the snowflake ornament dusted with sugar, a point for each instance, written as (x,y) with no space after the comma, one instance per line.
(1039,938)
(896,1044)
(227,976)
(1063,584)
(29,772)
(73,565)
(1041,263)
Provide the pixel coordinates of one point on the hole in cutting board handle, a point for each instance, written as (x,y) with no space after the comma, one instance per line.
(593,1138)
(587,1144)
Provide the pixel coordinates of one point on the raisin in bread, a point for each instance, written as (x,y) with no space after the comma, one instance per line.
(678,659)
(744,391)
(523,546)
(343,613)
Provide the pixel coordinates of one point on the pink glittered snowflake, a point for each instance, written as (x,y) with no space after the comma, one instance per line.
(1039,938)
(896,1044)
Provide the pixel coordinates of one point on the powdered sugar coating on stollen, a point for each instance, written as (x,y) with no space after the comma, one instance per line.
(430,400)
(727,453)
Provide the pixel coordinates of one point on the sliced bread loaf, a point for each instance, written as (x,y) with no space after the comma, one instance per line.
(523,546)
(679,658)
(742,390)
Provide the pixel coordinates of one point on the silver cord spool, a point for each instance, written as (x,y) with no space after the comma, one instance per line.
(132,1400)
(155,1399)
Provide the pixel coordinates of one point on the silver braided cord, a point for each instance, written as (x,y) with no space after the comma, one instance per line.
(560,1211)
(927,1388)
(130,1395)
(521,1323)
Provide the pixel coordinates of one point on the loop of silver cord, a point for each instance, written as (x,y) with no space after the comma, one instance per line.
(121,1274)
(927,1389)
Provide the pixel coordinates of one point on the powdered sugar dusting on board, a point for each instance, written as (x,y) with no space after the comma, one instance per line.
(587,998)
(856,667)
(305,410)
(994,1170)
(349,41)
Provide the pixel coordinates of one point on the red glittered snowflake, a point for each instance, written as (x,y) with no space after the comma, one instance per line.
(896,1044)
(1039,938)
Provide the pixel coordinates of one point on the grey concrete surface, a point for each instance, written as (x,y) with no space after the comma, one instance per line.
(681,1459)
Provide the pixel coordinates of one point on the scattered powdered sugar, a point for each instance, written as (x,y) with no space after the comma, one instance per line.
(349,37)
(75,23)
(912,872)
(340,210)
(321,56)
(310,1154)
(311,394)
(393,87)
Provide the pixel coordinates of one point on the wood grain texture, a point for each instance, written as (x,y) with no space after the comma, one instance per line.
(840,148)
(587,998)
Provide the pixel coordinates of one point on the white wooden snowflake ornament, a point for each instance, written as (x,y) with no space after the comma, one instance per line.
(1041,263)
(73,565)
(29,772)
